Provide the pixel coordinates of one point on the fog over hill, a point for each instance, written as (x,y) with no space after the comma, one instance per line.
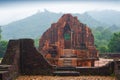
(34,25)
(109,17)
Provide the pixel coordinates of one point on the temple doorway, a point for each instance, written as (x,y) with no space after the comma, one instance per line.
(67,37)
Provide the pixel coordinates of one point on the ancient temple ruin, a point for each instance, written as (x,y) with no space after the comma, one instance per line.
(66,43)
(69,43)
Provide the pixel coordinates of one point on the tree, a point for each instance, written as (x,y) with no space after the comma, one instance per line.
(102,37)
(106,34)
(36,42)
(103,49)
(0,33)
(114,44)
(3,45)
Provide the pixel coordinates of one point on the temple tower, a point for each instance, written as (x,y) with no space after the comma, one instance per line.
(69,43)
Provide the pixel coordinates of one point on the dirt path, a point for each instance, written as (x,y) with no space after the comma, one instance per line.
(65,78)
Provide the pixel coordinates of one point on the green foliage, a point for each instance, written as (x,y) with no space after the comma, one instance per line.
(36,42)
(0,32)
(106,34)
(114,44)
(3,45)
(102,37)
(103,49)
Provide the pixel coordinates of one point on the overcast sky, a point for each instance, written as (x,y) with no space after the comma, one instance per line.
(15,10)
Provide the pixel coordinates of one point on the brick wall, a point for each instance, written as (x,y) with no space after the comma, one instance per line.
(32,62)
(10,62)
(22,57)
(103,71)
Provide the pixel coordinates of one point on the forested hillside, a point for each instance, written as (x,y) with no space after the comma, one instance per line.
(34,26)
(103,24)
(108,17)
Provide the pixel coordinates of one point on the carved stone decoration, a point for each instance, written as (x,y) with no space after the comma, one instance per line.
(69,38)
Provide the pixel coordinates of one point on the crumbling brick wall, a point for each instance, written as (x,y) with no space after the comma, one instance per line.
(10,62)
(106,70)
(32,62)
(24,58)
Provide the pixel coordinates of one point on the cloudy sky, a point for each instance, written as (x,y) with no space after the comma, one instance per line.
(12,10)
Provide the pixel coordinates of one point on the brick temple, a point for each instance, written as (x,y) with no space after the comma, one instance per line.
(69,43)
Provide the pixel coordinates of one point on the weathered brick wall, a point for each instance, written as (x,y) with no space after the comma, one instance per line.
(22,57)
(68,33)
(32,62)
(10,61)
(103,71)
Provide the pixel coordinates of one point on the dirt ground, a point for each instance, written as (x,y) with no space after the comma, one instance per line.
(65,78)
(102,62)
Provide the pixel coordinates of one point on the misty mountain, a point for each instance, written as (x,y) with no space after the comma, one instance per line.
(89,20)
(30,27)
(34,25)
(109,17)
(114,28)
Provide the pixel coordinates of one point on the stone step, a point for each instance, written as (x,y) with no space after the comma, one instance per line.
(66,73)
(4,67)
(67,65)
(67,62)
(68,56)
(67,51)
(65,68)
